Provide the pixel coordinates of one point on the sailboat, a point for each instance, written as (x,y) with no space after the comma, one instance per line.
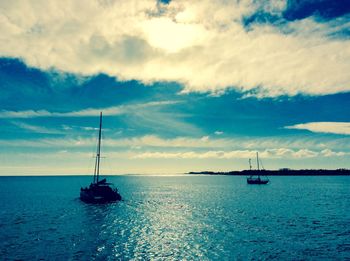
(99,191)
(256,179)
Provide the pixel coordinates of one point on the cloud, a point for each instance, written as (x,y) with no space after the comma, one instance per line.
(35,128)
(109,111)
(267,154)
(283,147)
(200,44)
(51,143)
(149,115)
(324,127)
(90,128)
(330,153)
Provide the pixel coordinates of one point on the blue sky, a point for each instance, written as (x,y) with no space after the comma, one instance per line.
(181,88)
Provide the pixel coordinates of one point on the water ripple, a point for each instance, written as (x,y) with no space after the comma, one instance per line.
(167,218)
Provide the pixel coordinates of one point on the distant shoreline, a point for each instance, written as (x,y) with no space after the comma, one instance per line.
(281,172)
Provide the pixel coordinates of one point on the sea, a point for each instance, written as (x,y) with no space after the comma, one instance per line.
(185,217)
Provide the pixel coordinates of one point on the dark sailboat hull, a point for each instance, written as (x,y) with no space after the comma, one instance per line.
(99,195)
(257,181)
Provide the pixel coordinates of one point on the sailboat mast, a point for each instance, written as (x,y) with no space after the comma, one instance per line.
(99,149)
(94,180)
(257,160)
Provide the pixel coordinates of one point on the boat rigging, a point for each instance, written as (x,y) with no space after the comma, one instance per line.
(254,177)
(99,191)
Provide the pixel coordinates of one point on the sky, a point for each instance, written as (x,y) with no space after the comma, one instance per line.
(183,85)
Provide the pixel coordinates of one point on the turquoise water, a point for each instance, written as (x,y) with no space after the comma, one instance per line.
(178,217)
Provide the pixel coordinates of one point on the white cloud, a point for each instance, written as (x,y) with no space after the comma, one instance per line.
(90,128)
(330,153)
(35,128)
(324,127)
(164,33)
(109,111)
(160,155)
(200,44)
(197,155)
(238,154)
(221,147)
